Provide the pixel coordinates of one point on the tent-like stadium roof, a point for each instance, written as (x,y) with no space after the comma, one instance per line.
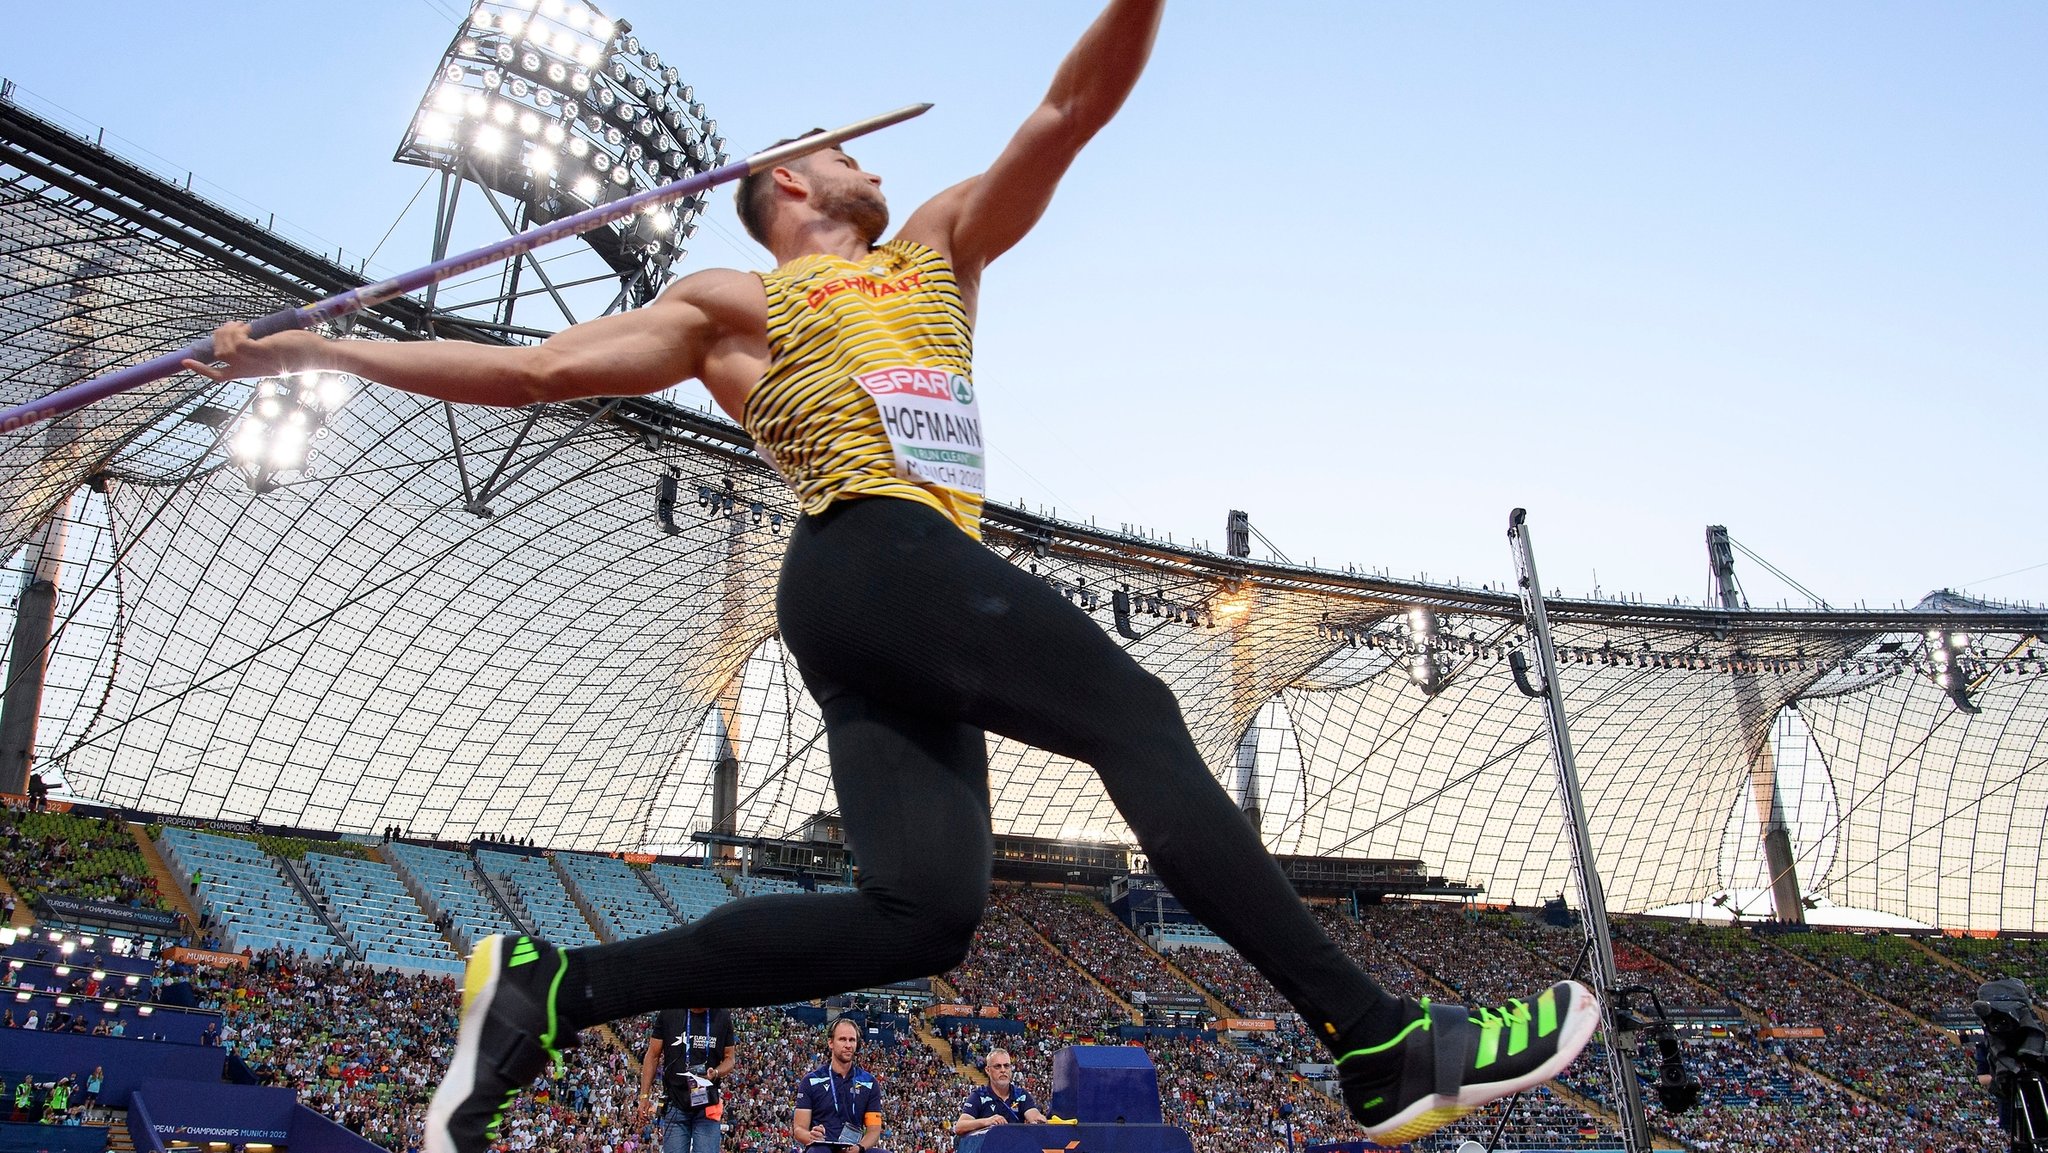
(370,646)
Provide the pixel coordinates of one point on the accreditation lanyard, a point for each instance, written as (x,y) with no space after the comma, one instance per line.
(839,1105)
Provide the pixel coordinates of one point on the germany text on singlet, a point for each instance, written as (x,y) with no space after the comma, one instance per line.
(869,389)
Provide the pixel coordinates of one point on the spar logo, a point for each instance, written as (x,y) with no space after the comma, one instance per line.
(932,383)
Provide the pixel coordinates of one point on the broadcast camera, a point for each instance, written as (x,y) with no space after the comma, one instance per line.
(2017,1048)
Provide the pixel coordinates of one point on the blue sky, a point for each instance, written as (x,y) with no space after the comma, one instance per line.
(1377,273)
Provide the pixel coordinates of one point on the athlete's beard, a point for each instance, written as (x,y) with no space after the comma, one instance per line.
(857,205)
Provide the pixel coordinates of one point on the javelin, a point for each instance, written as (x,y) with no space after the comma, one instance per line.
(79,395)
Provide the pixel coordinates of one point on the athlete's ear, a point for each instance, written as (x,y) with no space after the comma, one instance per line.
(789,181)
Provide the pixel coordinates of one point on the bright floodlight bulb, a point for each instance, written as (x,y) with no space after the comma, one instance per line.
(620,175)
(554,133)
(511,22)
(551,7)
(576,18)
(448,97)
(661,219)
(579,147)
(269,407)
(529,123)
(586,187)
(540,161)
(475,104)
(489,140)
(557,72)
(504,111)
(249,441)
(602,29)
(480,17)
(333,393)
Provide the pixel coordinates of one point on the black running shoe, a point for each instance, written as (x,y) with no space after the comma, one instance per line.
(508,1036)
(1449,1060)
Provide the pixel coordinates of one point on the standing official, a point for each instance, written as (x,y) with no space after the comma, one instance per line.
(693,1049)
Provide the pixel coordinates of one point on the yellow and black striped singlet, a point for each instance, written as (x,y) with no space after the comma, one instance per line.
(869,389)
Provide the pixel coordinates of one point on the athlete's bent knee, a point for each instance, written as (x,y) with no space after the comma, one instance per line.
(934,912)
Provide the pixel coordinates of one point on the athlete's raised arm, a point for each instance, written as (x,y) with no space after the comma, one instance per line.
(979,219)
(626,354)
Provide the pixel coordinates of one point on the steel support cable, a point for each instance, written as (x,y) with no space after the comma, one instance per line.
(418,572)
(1507,628)
(1849,808)
(2010,782)
(1775,571)
(83,598)
(1513,750)
(141,531)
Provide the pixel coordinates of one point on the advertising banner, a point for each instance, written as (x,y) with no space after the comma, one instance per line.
(219,960)
(105,913)
(201,1113)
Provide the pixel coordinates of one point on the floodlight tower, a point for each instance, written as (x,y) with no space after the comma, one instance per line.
(548,107)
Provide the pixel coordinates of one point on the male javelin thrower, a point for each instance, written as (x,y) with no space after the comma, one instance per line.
(850,364)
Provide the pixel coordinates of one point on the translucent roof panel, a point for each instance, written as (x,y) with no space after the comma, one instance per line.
(380,641)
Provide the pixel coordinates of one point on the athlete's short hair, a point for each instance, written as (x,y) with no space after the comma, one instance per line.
(755,196)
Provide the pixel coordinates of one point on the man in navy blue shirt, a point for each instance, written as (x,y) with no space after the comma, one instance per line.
(839,1103)
(1000,1102)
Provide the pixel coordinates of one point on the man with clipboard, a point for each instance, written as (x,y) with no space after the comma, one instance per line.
(838,1104)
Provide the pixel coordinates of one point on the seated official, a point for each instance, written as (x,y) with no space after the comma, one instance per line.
(1000,1102)
(838,1102)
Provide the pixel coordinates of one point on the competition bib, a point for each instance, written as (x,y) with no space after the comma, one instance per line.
(934,424)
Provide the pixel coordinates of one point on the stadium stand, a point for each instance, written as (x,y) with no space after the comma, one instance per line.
(753,886)
(243,891)
(1011,968)
(1080,928)
(1917,1073)
(542,900)
(1232,980)
(71,856)
(613,892)
(444,885)
(364,1043)
(385,922)
(693,892)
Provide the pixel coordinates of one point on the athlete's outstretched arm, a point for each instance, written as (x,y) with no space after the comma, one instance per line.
(626,354)
(981,218)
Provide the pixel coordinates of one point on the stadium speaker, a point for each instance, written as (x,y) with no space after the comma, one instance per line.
(1120,607)
(665,501)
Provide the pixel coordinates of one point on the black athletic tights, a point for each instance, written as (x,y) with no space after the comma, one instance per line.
(914,639)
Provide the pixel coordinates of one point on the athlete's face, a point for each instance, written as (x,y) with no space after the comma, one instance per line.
(842,192)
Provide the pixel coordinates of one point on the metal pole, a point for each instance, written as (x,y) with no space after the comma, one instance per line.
(1628,1094)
